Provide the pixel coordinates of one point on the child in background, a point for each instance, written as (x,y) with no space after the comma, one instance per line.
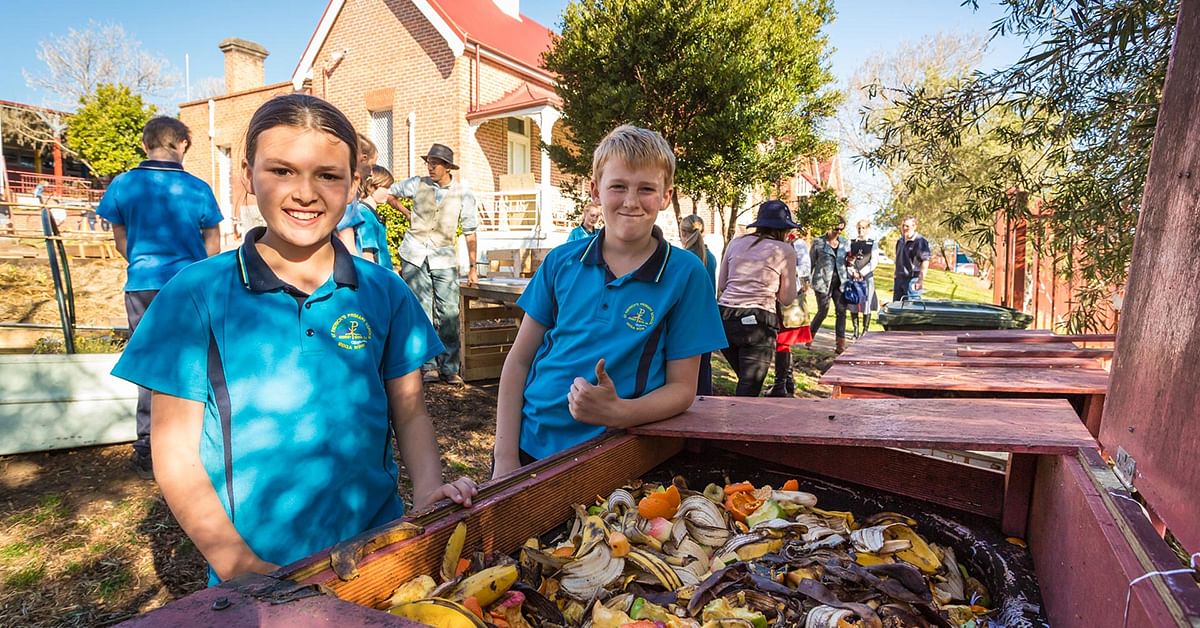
(624,301)
(588,228)
(370,233)
(280,370)
(347,227)
(163,219)
(691,232)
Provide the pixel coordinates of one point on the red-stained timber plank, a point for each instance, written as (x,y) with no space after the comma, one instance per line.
(1029,338)
(960,486)
(852,392)
(1151,408)
(970,379)
(1093,412)
(1038,352)
(1015,425)
(238,607)
(956,362)
(1089,540)
(1018,492)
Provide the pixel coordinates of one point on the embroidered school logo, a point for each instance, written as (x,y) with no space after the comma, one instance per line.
(639,316)
(351,331)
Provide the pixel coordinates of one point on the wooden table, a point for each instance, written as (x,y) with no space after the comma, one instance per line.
(488,323)
(857,439)
(973,364)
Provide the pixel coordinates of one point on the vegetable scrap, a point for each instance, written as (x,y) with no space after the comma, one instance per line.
(744,556)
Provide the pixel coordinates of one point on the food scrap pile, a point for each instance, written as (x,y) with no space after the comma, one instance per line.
(654,556)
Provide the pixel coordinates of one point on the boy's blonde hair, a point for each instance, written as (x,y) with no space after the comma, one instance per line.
(638,148)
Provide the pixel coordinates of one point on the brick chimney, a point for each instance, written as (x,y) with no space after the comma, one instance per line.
(243,64)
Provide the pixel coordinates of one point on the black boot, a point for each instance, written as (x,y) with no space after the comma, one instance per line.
(866,322)
(784,385)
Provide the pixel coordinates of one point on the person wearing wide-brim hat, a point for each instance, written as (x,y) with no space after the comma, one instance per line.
(428,254)
(757,275)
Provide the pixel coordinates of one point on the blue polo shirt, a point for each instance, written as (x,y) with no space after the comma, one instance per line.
(296,437)
(369,232)
(579,233)
(163,210)
(665,310)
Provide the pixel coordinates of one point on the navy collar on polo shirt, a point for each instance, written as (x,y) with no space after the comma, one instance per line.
(156,164)
(258,276)
(651,270)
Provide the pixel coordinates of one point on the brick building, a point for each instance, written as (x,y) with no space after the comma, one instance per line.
(408,73)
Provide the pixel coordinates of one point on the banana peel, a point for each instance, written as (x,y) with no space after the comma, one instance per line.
(918,554)
(345,556)
(454,548)
(487,585)
(438,613)
(416,589)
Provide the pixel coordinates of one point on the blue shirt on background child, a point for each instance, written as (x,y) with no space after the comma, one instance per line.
(163,209)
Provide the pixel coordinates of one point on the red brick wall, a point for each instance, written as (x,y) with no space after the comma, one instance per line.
(231,116)
(392,45)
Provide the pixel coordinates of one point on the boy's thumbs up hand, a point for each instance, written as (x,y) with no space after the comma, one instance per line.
(596,404)
(602,378)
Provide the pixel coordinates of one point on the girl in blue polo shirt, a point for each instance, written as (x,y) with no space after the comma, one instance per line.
(280,370)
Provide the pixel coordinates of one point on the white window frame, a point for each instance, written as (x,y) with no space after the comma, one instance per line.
(519,142)
(382,131)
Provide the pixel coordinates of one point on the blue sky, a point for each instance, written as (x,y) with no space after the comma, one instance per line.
(172,28)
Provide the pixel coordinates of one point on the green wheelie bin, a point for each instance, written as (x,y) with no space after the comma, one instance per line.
(939,314)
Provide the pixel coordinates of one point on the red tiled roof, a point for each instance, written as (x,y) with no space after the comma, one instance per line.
(523,97)
(523,40)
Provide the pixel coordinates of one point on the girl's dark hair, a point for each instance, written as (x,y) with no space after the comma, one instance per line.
(771,234)
(304,112)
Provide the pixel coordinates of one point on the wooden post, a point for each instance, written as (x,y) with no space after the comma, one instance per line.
(1152,402)
(1018,494)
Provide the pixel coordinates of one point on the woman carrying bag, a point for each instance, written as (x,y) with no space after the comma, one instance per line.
(794,320)
(757,275)
(829,274)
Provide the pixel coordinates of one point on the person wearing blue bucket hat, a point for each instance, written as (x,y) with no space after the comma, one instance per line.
(757,274)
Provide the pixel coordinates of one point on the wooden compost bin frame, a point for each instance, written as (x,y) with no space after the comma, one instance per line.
(1077,531)
(484,347)
(1000,364)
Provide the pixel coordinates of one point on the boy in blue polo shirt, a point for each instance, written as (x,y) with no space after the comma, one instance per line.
(624,305)
(282,370)
(163,219)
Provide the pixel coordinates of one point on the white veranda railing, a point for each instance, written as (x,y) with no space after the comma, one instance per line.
(523,210)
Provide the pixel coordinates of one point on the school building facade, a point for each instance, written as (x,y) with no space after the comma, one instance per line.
(409,73)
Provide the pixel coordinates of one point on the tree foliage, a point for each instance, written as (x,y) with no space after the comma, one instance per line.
(106,131)
(1085,99)
(934,63)
(80,61)
(820,211)
(737,88)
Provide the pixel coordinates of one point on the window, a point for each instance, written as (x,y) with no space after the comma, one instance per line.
(225,179)
(803,187)
(381,134)
(518,145)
